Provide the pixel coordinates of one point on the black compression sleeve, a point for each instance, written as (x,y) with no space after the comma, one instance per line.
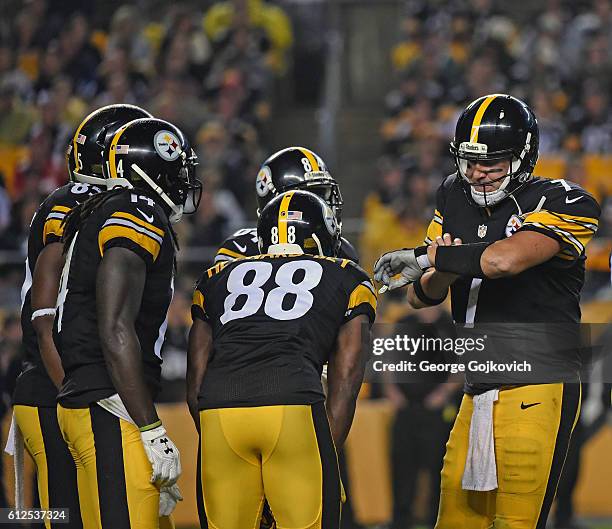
(463,259)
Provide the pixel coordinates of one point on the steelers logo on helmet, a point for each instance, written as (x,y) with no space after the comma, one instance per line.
(167,145)
(330,220)
(263,182)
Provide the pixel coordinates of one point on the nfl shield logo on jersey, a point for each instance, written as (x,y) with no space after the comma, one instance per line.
(482,230)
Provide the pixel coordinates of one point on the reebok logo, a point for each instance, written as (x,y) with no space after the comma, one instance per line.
(525,406)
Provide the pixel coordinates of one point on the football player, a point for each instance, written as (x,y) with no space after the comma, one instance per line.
(115,289)
(288,169)
(511,248)
(42,374)
(263,328)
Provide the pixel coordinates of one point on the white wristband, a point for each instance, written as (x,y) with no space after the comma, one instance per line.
(43,312)
(424,262)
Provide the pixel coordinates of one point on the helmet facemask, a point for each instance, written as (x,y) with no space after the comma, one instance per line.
(184,194)
(518,172)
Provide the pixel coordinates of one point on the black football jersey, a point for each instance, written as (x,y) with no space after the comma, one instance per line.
(244,243)
(274,321)
(34,387)
(128,220)
(545,294)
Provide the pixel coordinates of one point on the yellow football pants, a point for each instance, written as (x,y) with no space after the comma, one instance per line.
(113,471)
(55,470)
(532,427)
(283,453)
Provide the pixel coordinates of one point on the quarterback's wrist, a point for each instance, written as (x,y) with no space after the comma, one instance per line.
(421,255)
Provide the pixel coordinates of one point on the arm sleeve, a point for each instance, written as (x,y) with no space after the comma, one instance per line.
(198,310)
(361,294)
(126,230)
(570,217)
(53,226)
(435,226)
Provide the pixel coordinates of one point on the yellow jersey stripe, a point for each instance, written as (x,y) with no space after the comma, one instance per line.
(478,117)
(229,253)
(434,230)
(362,294)
(52,226)
(282,218)
(133,218)
(344,263)
(114,232)
(311,159)
(552,217)
(198,299)
(62,209)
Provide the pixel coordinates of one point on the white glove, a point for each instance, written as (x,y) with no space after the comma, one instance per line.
(410,263)
(163,455)
(168,498)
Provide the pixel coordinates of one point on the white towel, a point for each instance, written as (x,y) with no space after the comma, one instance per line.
(480,469)
(114,405)
(15,448)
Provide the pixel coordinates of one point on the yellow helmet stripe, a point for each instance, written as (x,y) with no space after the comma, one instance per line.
(478,117)
(311,158)
(282,218)
(76,137)
(111,153)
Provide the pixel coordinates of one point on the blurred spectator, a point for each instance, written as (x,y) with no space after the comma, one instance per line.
(80,56)
(126,34)
(15,117)
(593,121)
(269,28)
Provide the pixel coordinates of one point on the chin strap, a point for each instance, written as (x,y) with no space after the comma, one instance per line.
(177,211)
(88,179)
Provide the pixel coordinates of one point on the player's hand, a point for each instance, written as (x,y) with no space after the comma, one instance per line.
(163,455)
(445,240)
(168,498)
(409,263)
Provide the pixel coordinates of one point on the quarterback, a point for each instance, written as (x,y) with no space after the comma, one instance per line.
(511,249)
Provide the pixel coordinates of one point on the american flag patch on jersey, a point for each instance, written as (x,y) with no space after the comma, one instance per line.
(81,139)
(122,149)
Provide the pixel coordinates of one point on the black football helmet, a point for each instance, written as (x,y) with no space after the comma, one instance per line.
(298,221)
(154,155)
(297,168)
(84,152)
(494,128)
